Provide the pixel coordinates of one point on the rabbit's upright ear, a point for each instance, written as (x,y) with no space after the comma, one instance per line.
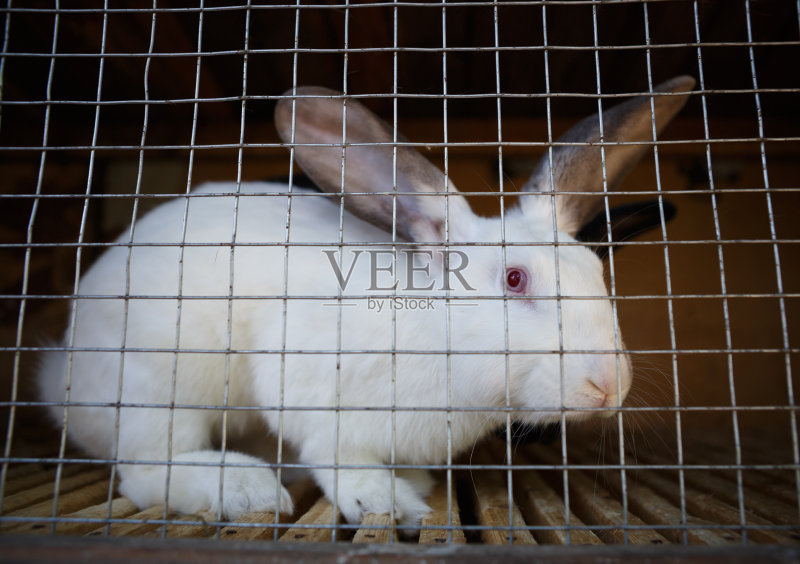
(579,168)
(311,119)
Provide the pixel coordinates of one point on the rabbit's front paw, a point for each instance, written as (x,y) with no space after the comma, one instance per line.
(197,488)
(250,489)
(370,491)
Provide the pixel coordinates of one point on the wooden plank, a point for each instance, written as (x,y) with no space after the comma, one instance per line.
(16,470)
(201,529)
(715,500)
(595,505)
(121,507)
(706,506)
(762,483)
(142,525)
(777,488)
(780,491)
(67,502)
(779,483)
(40,475)
(707,450)
(495,508)
(321,513)
(543,507)
(263,526)
(656,509)
(756,449)
(379,529)
(756,503)
(36,494)
(304,493)
(433,525)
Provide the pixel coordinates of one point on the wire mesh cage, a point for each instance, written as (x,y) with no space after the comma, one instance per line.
(242,297)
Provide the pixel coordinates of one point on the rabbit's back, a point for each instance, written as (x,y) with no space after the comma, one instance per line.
(184,250)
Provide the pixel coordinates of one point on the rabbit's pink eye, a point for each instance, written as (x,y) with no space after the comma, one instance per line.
(516,280)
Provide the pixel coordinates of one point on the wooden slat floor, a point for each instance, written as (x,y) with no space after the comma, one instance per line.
(706,509)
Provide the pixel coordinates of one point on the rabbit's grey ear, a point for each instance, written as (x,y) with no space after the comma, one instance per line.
(311,119)
(578,168)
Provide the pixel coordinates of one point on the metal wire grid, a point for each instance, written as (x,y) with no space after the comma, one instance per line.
(623,465)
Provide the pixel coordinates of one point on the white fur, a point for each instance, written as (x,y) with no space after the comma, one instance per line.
(421,375)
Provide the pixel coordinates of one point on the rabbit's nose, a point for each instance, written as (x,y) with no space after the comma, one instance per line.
(612,380)
(604,399)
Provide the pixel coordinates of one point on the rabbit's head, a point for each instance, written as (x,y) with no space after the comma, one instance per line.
(543,305)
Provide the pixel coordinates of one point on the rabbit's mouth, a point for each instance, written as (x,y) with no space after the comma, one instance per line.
(599,406)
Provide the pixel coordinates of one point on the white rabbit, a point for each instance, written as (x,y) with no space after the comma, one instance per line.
(339,366)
